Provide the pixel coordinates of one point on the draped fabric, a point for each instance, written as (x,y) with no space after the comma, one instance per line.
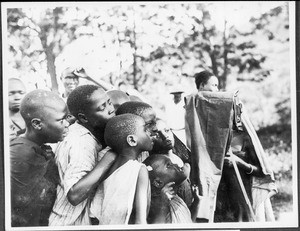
(179,212)
(209,117)
(262,187)
(113,201)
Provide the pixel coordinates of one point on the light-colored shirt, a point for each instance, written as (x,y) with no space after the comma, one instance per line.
(175,115)
(114,200)
(76,156)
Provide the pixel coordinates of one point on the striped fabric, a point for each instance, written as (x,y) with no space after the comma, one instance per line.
(76,156)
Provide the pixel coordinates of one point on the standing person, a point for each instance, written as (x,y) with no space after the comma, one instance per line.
(175,114)
(144,110)
(227,139)
(80,165)
(70,81)
(124,196)
(16,92)
(206,81)
(33,170)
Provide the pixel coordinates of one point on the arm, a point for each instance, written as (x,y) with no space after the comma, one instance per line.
(247,167)
(141,196)
(80,72)
(195,205)
(82,189)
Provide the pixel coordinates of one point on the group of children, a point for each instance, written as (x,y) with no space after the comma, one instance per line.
(101,157)
(102,169)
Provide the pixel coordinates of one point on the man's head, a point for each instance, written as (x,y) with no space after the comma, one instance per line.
(16,92)
(206,81)
(127,130)
(91,106)
(141,109)
(44,113)
(165,138)
(177,96)
(69,79)
(118,97)
(162,171)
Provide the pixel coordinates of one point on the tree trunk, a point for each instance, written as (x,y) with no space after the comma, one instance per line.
(224,76)
(51,68)
(134,55)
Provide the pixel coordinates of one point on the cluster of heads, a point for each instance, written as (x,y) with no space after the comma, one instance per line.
(125,123)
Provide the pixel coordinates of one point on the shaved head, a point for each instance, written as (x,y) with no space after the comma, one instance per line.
(118,97)
(36,103)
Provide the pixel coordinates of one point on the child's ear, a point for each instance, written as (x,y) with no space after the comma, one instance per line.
(36,123)
(158,183)
(132,140)
(82,118)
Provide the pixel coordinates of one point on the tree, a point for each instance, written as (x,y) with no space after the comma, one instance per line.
(41,38)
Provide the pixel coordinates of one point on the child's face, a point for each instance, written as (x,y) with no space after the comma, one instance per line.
(16,92)
(150,119)
(169,172)
(165,139)
(144,136)
(101,109)
(55,124)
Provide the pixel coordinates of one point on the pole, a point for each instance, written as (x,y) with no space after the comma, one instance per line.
(243,189)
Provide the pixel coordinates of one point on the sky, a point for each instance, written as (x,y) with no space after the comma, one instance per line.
(238,13)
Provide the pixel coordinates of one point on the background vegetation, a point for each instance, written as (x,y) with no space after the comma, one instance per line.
(155,47)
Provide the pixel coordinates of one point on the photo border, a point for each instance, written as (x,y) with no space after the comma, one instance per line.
(295,100)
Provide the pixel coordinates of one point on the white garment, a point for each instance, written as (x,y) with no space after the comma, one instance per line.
(113,201)
(175,118)
(76,156)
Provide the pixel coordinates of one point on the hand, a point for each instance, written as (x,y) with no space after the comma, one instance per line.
(228,160)
(80,72)
(167,192)
(195,192)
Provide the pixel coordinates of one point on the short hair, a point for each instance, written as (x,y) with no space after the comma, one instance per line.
(34,103)
(117,97)
(79,99)
(118,128)
(14,79)
(149,161)
(202,78)
(133,107)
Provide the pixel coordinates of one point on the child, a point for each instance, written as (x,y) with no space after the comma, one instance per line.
(16,92)
(164,144)
(124,196)
(165,178)
(146,112)
(118,97)
(44,113)
(81,166)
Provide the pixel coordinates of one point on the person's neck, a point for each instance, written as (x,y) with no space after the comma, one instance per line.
(33,137)
(14,114)
(97,132)
(66,94)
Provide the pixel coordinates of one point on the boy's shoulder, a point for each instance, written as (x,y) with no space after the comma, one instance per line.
(22,149)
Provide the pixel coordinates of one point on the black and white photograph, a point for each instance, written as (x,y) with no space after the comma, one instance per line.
(149,115)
